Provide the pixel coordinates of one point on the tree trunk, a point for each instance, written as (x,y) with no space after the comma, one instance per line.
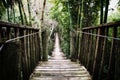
(45,45)
(8,12)
(29,10)
(106,11)
(72,46)
(20,10)
(101,13)
(42,17)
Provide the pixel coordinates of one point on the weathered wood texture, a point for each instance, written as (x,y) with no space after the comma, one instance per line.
(45,45)
(100,51)
(29,54)
(10,61)
(72,46)
(58,67)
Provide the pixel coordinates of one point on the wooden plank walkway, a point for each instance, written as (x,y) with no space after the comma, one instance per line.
(59,68)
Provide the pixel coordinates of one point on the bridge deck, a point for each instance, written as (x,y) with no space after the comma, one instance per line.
(59,68)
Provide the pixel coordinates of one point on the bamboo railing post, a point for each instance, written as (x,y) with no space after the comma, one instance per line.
(98,53)
(8,33)
(24,61)
(33,36)
(72,46)
(87,53)
(103,56)
(117,60)
(16,32)
(45,44)
(81,48)
(30,51)
(0,34)
(111,66)
(89,49)
(35,43)
(39,49)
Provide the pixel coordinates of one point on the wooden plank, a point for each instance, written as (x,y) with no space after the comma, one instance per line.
(59,68)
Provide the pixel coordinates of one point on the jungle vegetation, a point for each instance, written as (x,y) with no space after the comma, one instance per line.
(71,16)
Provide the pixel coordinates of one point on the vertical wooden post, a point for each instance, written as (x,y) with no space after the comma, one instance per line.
(76,45)
(28,51)
(0,34)
(39,48)
(89,56)
(111,73)
(24,60)
(81,48)
(84,49)
(117,60)
(16,32)
(79,45)
(35,45)
(72,46)
(30,47)
(98,53)
(86,53)
(45,42)
(102,64)
(33,48)
(8,33)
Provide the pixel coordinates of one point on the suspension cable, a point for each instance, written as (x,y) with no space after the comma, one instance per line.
(99,35)
(17,38)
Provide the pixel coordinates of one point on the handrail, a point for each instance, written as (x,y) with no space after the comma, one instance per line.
(100,50)
(103,25)
(92,34)
(23,43)
(13,25)
(16,39)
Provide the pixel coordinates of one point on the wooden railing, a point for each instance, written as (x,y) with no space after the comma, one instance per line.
(100,51)
(19,51)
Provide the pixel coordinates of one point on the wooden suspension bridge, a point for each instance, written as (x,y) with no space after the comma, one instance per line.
(21,57)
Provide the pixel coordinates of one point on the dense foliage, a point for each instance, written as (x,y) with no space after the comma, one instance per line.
(73,15)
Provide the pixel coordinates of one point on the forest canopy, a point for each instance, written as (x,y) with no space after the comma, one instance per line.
(69,15)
